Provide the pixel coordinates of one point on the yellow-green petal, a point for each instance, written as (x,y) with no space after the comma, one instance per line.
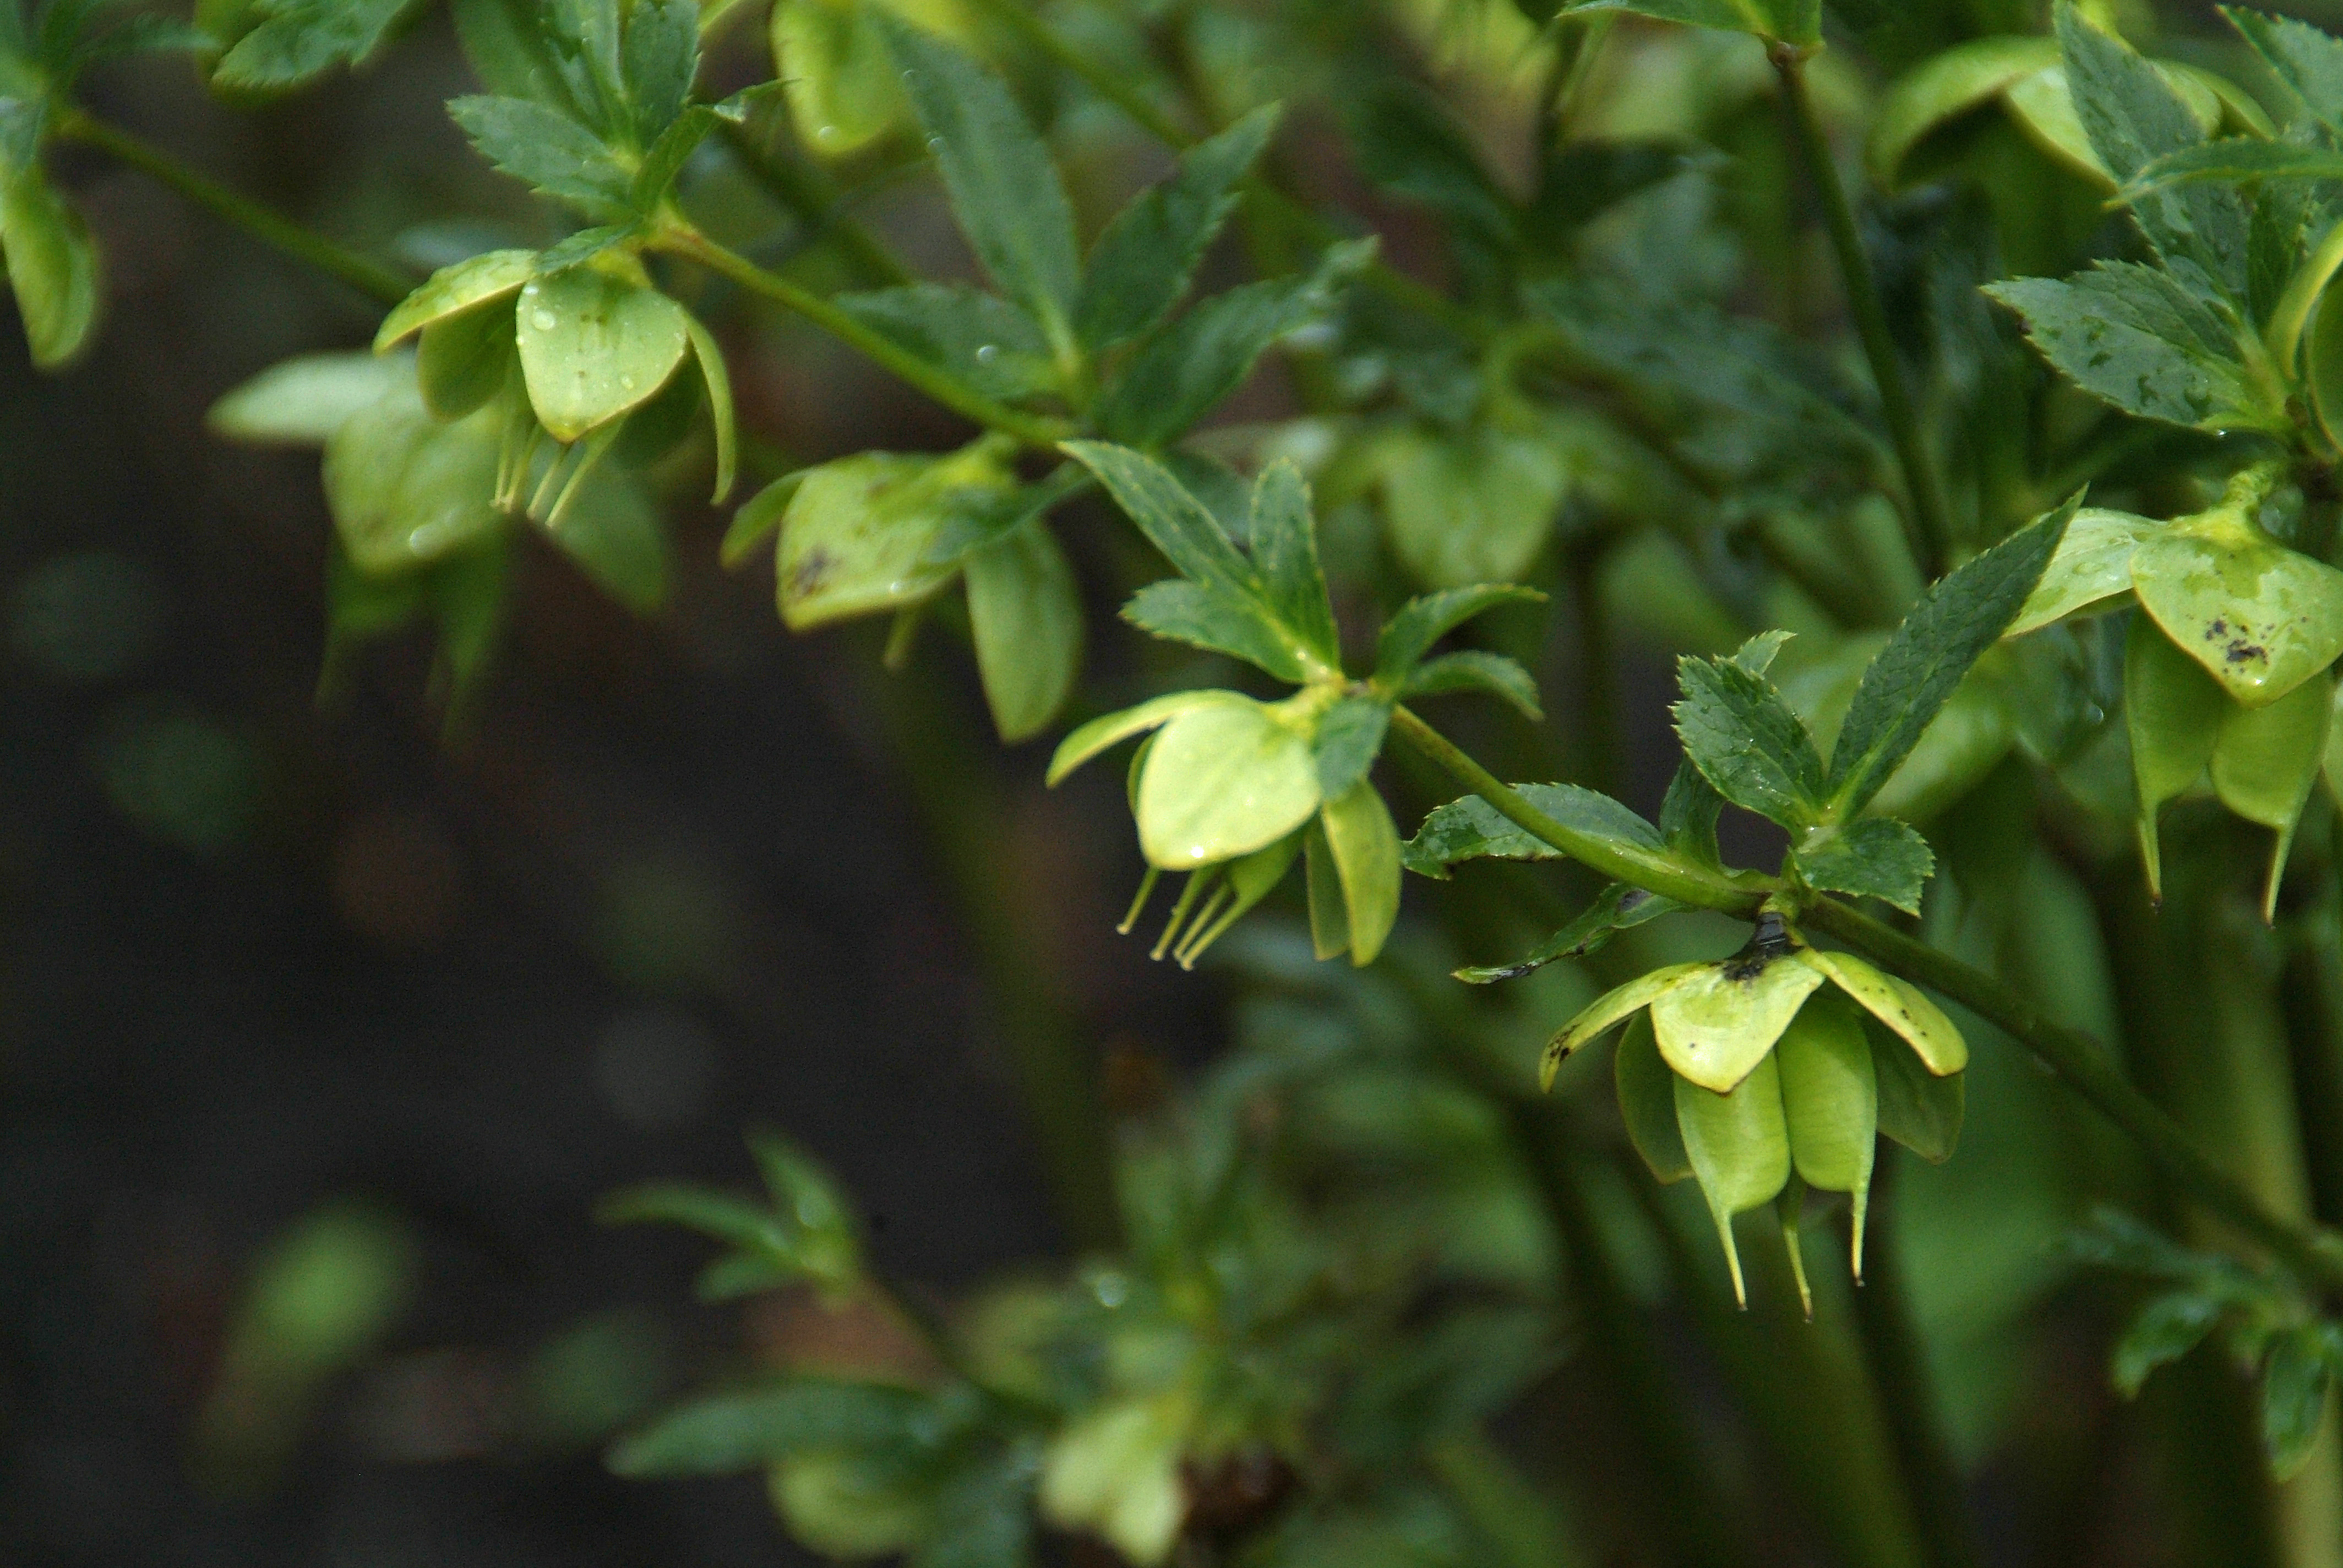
(467,286)
(1365,849)
(2261,617)
(1647,1102)
(1718,1025)
(1900,1005)
(1607,1010)
(1110,730)
(1223,781)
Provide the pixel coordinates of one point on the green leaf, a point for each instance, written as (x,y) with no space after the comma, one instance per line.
(2235,160)
(658,60)
(843,87)
(593,347)
(470,284)
(302,401)
(1285,543)
(1720,1021)
(2172,712)
(2168,1328)
(1473,507)
(1411,144)
(1217,620)
(2294,1382)
(856,537)
(1426,618)
(1739,1148)
(52,268)
(1173,521)
(1797,22)
(728,1433)
(2259,618)
(1222,781)
(1181,374)
(2134,114)
(405,489)
(1618,907)
(1364,847)
(549,152)
(2308,61)
(1688,814)
(1004,188)
(1960,615)
(2135,337)
(1349,736)
(1747,743)
(299,39)
(984,1517)
(1917,1109)
(757,519)
(1874,856)
(2091,572)
(1647,1104)
(1943,87)
(980,337)
(1472,828)
(669,153)
(1143,261)
(1025,610)
(1471,669)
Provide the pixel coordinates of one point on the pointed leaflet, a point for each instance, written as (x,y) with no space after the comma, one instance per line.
(1873,857)
(727,1434)
(2168,1328)
(2135,337)
(2235,160)
(2309,62)
(658,59)
(298,39)
(1471,829)
(1747,742)
(1285,543)
(1491,674)
(1004,189)
(2133,116)
(1955,621)
(1425,620)
(1214,620)
(1619,907)
(1025,612)
(1141,263)
(1330,921)
(1181,374)
(1350,736)
(548,151)
(980,337)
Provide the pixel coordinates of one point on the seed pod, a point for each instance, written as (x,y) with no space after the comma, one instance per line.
(1716,1025)
(1830,1100)
(1739,1147)
(2265,762)
(1790,1208)
(2174,711)
(1647,1102)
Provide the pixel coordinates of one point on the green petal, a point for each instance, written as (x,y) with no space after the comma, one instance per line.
(2091,571)
(1605,1010)
(593,347)
(1112,729)
(1222,781)
(452,290)
(1647,1102)
(1365,849)
(2173,712)
(1830,1098)
(1739,1147)
(1900,1005)
(2265,762)
(2261,617)
(1718,1025)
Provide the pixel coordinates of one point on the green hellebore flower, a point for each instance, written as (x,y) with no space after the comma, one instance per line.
(1747,1072)
(1115,1472)
(1227,788)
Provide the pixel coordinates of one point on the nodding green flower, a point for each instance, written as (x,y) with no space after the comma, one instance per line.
(1227,788)
(2225,668)
(1750,1070)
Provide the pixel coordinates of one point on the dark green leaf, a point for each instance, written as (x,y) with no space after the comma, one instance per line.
(1216,618)
(1688,814)
(1004,188)
(659,59)
(1284,540)
(1426,618)
(2137,338)
(2294,1396)
(1350,736)
(984,1516)
(548,151)
(1958,617)
(1473,671)
(1410,144)
(1874,857)
(2309,62)
(1472,828)
(1180,376)
(1141,263)
(728,1433)
(52,268)
(299,39)
(1618,907)
(2164,1330)
(980,337)
(1744,738)
(669,153)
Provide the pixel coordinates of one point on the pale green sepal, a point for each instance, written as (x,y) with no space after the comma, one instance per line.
(1112,729)
(2172,712)
(720,405)
(1365,849)
(1647,1102)
(1830,1098)
(302,402)
(1223,780)
(2091,571)
(1900,1005)
(1739,1147)
(1607,1010)
(2261,617)
(1943,87)
(593,346)
(1716,1025)
(467,286)
(2266,762)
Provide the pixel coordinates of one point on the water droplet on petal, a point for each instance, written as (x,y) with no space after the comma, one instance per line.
(544,321)
(825,133)
(626,381)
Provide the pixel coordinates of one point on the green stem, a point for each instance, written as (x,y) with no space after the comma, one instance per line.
(1656,870)
(1931,526)
(383,285)
(2313,1253)
(1034,429)
(813,200)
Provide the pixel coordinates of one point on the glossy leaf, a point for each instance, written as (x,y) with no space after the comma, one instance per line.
(1618,909)
(1916,1108)
(2161,1332)
(1721,1020)
(593,347)
(1364,847)
(405,489)
(1411,144)
(1747,742)
(302,401)
(2174,711)
(1688,815)
(1221,782)
(1739,1148)
(1830,1100)
(1874,856)
(855,539)
(838,74)
(1899,1004)
(1908,683)
(1422,621)
(1473,508)
(1143,261)
(1025,610)
(2260,617)
(1492,674)
(1607,1011)
(1471,829)
(2090,571)
(2135,337)
(980,337)
(1944,86)
(1004,189)
(1284,540)
(52,268)
(1183,373)
(1647,1102)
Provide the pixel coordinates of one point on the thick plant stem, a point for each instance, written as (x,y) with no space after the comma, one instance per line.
(1931,526)
(1033,429)
(383,285)
(1907,1397)
(813,199)
(2314,1253)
